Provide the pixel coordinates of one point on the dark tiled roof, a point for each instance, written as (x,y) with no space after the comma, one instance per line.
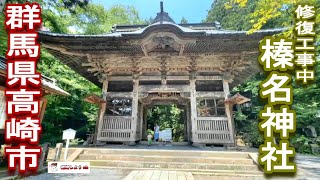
(184,28)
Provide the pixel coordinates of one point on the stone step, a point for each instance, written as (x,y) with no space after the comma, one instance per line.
(153,152)
(166,144)
(199,172)
(228,177)
(185,159)
(172,165)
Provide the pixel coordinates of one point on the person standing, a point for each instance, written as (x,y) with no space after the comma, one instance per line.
(156,132)
(149,137)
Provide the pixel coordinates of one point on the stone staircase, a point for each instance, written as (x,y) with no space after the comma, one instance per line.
(213,163)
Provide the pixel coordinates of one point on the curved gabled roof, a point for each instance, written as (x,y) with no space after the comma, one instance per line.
(165,25)
(93,55)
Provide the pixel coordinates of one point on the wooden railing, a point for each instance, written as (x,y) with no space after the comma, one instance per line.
(115,128)
(213,130)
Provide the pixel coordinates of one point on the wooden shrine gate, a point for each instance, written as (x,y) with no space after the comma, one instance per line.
(136,65)
(206,118)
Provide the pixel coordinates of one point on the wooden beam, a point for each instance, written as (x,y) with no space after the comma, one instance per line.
(90,64)
(169,77)
(120,94)
(164,88)
(94,99)
(177,78)
(150,78)
(209,78)
(62,49)
(120,78)
(210,94)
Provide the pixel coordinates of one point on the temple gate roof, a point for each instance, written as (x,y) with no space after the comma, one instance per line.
(161,48)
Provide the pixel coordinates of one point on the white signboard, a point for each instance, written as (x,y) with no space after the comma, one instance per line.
(69,134)
(166,135)
(2,109)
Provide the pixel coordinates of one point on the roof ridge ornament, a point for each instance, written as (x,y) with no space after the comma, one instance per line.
(161,12)
(162,16)
(161,7)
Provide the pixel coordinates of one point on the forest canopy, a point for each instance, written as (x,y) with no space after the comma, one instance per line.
(264,14)
(79,17)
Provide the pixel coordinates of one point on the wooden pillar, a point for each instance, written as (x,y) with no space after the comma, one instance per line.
(185,123)
(44,102)
(145,123)
(135,104)
(105,89)
(102,110)
(228,109)
(141,117)
(189,125)
(193,109)
(43,156)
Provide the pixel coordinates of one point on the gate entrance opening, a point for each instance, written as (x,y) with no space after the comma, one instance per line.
(167,116)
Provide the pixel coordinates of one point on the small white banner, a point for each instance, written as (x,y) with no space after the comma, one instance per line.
(68,167)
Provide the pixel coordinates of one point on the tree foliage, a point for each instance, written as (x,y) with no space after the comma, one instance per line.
(71,16)
(95,19)
(261,14)
(228,12)
(183,20)
(167,116)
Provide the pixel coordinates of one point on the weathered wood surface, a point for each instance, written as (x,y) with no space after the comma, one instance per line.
(193,112)
(164,88)
(58,150)
(44,155)
(135,105)
(74,155)
(159,175)
(115,128)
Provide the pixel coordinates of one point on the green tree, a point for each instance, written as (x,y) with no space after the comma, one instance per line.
(234,16)
(71,17)
(183,21)
(95,19)
(167,116)
(260,14)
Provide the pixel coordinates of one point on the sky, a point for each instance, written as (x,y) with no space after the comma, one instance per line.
(193,10)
